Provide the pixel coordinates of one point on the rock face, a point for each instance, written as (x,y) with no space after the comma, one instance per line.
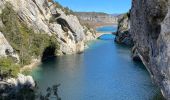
(5,48)
(123,35)
(97,19)
(48,17)
(150,29)
(11,87)
(22,81)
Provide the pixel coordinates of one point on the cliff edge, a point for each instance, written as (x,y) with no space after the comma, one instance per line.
(48,17)
(149,22)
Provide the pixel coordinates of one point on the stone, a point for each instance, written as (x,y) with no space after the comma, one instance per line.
(21,81)
(94,19)
(149,27)
(6,49)
(38,14)
(123,36)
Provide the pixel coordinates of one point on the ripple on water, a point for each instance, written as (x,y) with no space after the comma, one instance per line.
(105,71)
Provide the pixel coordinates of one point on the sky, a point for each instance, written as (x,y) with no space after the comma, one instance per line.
(107,6)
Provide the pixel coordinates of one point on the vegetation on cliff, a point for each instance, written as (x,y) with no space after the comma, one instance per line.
(26,43)
(66,10)
(8,68)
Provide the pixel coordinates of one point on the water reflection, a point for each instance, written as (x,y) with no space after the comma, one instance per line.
(105,71)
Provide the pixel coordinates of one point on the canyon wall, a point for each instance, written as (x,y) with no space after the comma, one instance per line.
(150,29)
(123,36)
(47,17)
(35,29)
(97,19)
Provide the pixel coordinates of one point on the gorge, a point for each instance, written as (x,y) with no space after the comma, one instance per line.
(134,67)
(95,19)
(32,30)
(104,71)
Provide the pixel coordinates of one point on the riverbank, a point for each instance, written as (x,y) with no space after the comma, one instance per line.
(33,64)
(104,69)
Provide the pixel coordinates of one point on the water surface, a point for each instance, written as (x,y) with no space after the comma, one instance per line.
(105,71)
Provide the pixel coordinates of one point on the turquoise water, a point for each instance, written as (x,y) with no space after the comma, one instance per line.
(106,37)
(105,71)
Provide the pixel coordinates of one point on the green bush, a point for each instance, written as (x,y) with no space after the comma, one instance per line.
(68,11)
(8,68)
(23,39)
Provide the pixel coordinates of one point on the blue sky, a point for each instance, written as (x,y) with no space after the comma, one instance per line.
(107,6)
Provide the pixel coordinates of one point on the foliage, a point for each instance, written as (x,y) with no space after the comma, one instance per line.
(89,28)
(24,93)
(68,11)
(27,93)
(23,39)
(8,68)
(27,43)
(26,72)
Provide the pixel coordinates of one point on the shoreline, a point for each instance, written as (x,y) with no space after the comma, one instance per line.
(36,62)
(31,66)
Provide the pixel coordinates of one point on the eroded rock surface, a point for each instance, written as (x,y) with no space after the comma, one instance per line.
(97,19)
(150,29)
(12,88)
(47,17)
(5,48)
(123,35)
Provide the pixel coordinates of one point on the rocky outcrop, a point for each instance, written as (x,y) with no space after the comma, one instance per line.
(11,87)
(96,18)
(6,49)
(48,17)
(34,29)
(123,35)
(21,81)
(150,22)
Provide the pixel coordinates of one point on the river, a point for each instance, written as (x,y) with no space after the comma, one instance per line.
(105,71)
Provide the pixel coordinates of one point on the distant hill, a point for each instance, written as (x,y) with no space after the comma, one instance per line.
(97,18)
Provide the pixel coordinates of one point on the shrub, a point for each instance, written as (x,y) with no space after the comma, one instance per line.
(68,11)
(8,68)
(23,39)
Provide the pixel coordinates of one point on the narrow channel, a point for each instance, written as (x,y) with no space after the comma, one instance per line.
(105,71)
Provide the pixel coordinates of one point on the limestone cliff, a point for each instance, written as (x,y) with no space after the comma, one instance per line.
(31,29)
(6,49)
(48,17)
(97,18)
(123,35)
(150,29)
